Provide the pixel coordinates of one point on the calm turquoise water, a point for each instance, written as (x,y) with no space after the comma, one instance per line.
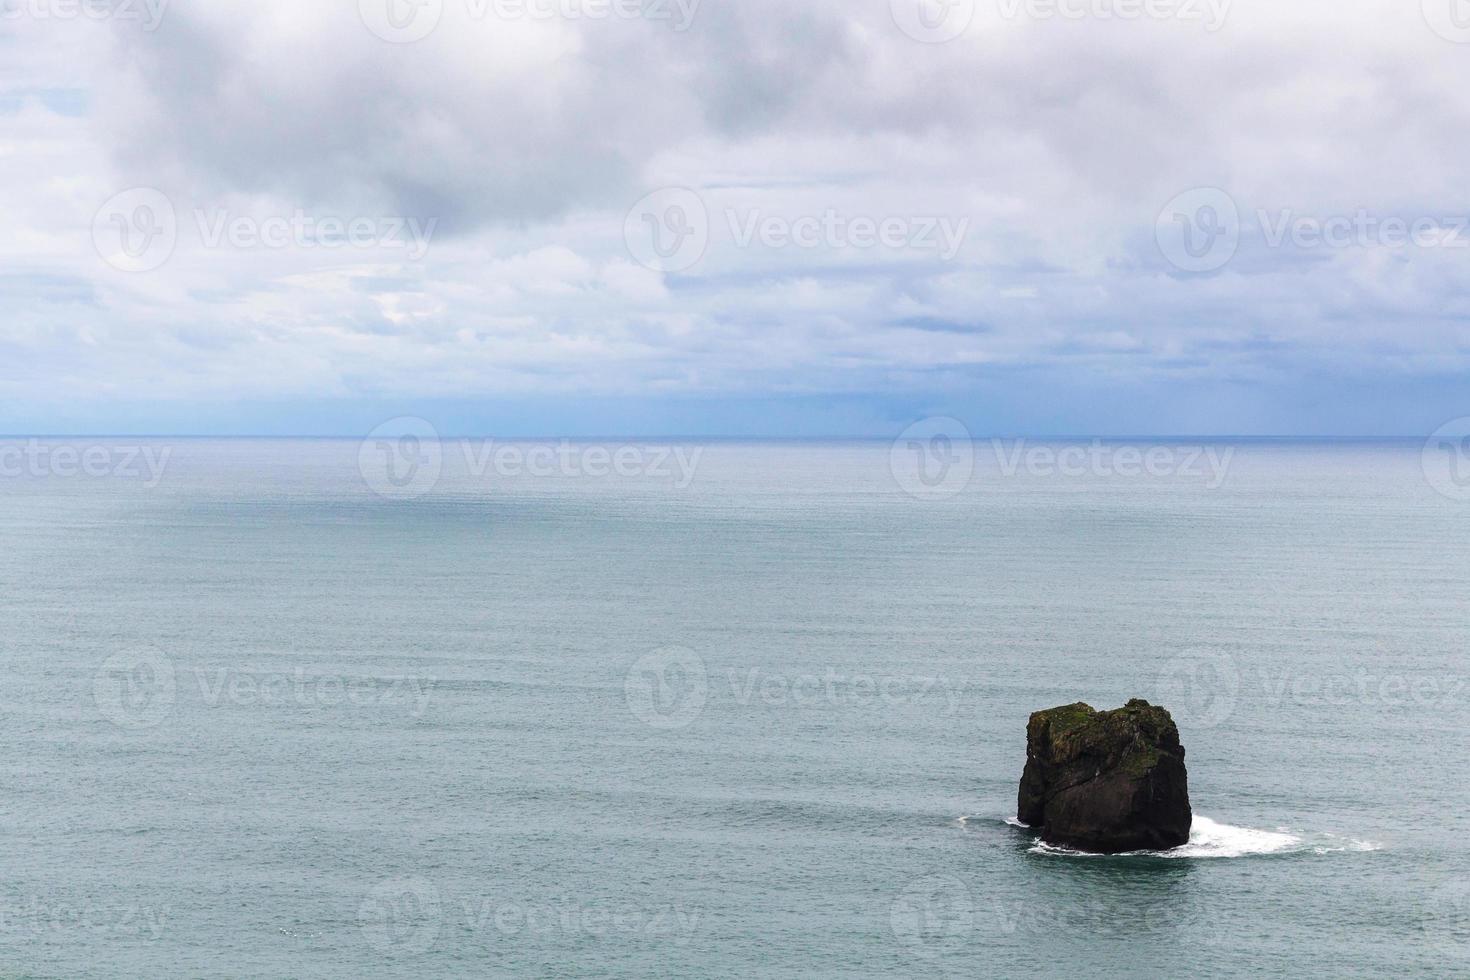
(262,720)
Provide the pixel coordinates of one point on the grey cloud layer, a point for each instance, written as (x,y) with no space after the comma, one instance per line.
(1056,142)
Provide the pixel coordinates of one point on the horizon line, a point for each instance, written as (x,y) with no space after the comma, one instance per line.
(1073,437)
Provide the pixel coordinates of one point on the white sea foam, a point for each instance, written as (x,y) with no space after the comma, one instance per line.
(1212,839)
(1209,838)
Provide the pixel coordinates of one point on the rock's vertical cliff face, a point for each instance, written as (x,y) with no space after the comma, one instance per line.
(1106,781)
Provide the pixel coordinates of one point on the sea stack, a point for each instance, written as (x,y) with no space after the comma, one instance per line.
(1106,781)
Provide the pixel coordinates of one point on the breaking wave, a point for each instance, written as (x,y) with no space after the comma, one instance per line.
(1212,839)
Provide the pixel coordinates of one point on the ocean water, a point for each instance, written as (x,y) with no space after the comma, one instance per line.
(311,708)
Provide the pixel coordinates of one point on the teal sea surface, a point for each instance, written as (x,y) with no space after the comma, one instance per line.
(411,708)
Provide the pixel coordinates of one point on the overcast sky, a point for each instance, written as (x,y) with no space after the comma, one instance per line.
(801,217)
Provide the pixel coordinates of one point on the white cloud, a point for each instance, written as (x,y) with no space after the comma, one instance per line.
(528,140)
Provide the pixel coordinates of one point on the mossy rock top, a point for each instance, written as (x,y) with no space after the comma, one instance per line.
(1133,737)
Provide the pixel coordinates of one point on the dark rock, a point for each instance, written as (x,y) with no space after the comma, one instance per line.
(1106,781)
